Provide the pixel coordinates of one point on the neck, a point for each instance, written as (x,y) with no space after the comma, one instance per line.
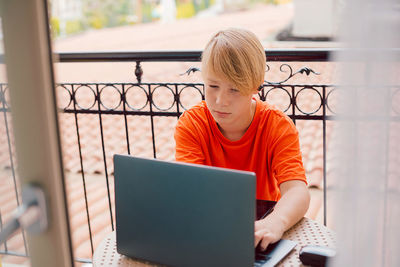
(236,131)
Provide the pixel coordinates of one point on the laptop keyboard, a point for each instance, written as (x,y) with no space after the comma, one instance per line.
(261,259)
(274,253)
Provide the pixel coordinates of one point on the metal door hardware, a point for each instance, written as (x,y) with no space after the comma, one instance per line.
(30,216)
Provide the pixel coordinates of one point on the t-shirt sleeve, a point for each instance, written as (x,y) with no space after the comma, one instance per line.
(287,161)
(187,140)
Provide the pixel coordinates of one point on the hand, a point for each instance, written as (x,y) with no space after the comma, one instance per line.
(267,231)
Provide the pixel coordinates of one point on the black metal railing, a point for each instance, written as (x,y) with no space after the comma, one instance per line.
(149,108)
(128,100)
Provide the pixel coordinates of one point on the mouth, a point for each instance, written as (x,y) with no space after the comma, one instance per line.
(221,114)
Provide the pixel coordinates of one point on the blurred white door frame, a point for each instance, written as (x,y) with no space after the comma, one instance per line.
(29,66)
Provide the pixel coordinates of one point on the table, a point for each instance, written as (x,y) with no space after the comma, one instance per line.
(305,232)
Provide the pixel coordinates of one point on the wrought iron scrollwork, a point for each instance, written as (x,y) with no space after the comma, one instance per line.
(60,89)
(91,90)
(131,92)
(160,88)
(190,71)
(285,93)
(102,93)
(129,97)
(194,88)
(314,90)
(303,70)
(330,93)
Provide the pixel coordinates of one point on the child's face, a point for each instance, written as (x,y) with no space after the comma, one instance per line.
(227,104)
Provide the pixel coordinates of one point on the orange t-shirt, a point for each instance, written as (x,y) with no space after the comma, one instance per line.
(270,147)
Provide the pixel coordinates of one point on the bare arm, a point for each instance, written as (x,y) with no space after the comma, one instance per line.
(288,211)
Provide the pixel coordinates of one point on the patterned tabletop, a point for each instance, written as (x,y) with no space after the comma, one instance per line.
(305,232)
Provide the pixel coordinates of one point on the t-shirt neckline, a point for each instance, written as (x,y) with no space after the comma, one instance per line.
(248,132)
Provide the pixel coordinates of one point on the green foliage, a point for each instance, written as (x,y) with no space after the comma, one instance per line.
(185,10)
(279,2)
(99,14)
(123,20)
(55,27)
(147,10)
(107,13)
(73,26)
(96,21)
(274,2)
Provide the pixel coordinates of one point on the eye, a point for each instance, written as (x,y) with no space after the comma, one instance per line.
(233,90)
(213,86)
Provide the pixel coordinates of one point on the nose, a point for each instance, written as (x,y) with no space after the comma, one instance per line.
(221,98)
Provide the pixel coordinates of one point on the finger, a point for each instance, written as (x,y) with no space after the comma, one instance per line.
(257,237)
(265,241)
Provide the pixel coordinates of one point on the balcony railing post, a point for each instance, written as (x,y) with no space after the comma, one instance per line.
(138,72)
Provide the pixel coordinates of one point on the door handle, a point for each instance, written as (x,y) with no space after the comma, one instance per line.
(31,215)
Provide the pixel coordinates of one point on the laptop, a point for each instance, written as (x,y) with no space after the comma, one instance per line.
(180,214)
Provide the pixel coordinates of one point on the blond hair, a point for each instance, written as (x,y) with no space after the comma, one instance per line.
(237,56)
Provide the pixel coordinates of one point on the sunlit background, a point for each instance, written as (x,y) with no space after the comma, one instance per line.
(89,140)
(87,90)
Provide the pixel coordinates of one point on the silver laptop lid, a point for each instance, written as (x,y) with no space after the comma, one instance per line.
(184,214)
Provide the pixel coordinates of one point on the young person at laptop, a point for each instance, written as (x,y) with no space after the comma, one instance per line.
(232,129)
